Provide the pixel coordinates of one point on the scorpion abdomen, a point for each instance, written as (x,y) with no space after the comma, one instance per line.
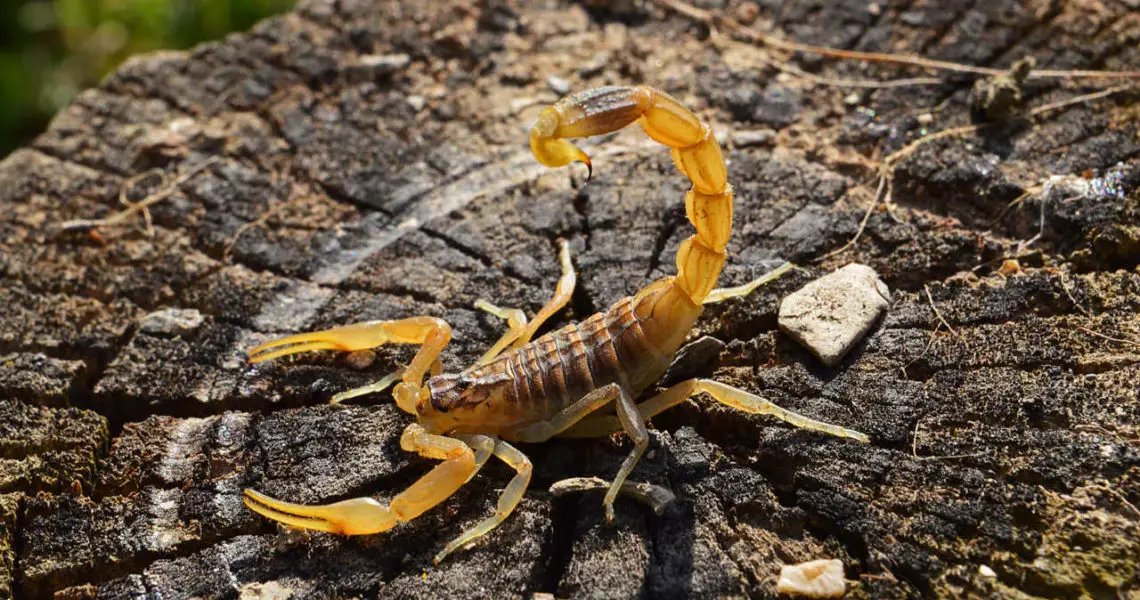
(632,344)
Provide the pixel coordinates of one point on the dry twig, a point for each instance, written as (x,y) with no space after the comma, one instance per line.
(654,496)
(258,222)
(881,194)
(950,456)
(1069,293)
(844,82)
(1132,343)
(1104,485)
(939,314)
(894,158)
(140,206)
(925,351)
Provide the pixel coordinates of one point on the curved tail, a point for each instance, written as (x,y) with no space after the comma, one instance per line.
(695,152)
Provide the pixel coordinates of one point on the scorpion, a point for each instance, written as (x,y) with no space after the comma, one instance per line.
(579,381)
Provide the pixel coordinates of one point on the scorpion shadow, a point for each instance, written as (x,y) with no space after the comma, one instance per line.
(581,545)
(672,536)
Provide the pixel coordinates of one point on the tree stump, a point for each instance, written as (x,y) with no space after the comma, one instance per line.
(357,160)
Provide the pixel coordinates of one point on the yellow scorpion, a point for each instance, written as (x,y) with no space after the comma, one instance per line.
(558,384)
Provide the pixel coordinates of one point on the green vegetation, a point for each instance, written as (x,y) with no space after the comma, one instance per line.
(52,49)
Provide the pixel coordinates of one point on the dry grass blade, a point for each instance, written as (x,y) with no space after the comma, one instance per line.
(894,158)
(938,314)
(881,193)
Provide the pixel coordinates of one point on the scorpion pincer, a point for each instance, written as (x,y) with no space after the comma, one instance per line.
(529,391)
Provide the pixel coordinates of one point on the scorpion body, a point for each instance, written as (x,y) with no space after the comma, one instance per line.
(557,385)
(623,345)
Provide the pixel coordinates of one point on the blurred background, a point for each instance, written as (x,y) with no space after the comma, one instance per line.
(52,49)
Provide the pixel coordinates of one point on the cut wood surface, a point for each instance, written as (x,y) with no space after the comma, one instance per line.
(369,161)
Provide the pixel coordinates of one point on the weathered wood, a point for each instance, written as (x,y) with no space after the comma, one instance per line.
(371,163)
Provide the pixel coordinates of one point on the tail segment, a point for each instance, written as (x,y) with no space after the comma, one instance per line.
(695,152)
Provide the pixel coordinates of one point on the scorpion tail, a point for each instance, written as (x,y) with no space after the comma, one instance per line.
(695,152)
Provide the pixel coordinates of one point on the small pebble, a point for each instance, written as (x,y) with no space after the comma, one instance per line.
(417,102)
(874,9)
(815,579)
(376,66)
(1009,266)
(615,36)
(558,85)
(265,591)
(755,137)
(852,99)
(185,126)
(361,359)
(747,12)
(172,321)
(986,571)
(831,314)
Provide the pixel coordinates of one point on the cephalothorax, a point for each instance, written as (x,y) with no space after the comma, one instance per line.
(555,385)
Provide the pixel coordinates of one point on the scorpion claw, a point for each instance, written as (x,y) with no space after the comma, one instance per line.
(271,351)
(348,338)
(349,517)
(429,332)
(280,512)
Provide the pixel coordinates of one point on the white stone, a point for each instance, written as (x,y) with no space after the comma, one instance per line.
(269,590)
(385,63)
(831,314)
(815,579)
(755,137)
(558,85)
(986,571)
(172,321)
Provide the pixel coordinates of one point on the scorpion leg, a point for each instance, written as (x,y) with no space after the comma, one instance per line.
(483,446)
(562,293)
(360,516)
(536,433)
(521,332)
(627,416)
(634,426)
(508,500)
(372,388)
(725,394)
(722,294)
(516,323)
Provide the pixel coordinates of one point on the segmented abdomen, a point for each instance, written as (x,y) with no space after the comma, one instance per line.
(622,345)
